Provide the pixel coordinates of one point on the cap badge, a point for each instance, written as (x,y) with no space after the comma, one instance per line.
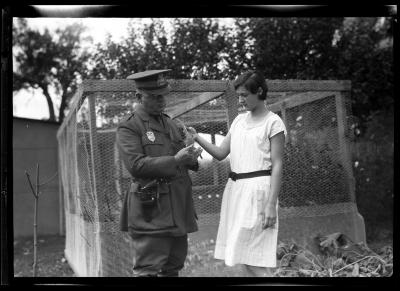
(150,136)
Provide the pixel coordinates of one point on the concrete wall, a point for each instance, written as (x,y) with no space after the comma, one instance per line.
(35,141)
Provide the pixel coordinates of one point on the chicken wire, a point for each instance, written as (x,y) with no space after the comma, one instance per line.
(317,178)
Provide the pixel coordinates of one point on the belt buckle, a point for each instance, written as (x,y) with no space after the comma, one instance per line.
(233,176)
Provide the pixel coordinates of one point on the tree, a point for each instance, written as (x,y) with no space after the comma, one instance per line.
(197,48)
(144,48)
(366,58)
(239,51)
(294,48)
(45,62)
(194,50)
(355,49)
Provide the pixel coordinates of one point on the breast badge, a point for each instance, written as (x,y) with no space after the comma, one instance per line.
(151,136)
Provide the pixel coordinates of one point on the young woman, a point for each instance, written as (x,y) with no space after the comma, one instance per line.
(248,227)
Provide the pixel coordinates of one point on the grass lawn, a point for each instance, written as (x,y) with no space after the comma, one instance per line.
(51,261)
(200,261)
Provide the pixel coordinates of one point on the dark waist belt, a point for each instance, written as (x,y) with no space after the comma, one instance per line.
(236,176)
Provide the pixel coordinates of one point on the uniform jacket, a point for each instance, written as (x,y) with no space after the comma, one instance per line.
(147,150)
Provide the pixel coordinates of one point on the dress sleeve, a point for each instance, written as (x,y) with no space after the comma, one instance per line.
(234,122)
(276,126)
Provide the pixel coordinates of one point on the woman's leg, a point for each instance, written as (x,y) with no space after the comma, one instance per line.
(253,271)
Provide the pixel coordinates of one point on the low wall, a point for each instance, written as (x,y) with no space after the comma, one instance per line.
(300,229)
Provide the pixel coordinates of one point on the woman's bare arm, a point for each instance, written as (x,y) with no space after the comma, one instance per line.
(218,152)
(277,150)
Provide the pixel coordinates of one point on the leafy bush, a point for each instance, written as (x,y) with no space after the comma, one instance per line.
(373,172)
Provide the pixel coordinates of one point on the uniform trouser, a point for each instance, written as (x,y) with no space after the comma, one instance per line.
(158,256)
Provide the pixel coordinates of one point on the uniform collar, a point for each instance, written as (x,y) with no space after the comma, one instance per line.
(153,123)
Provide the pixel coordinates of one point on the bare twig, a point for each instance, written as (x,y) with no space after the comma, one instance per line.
(35,223)
(30,184)
(35,193)
(48,180)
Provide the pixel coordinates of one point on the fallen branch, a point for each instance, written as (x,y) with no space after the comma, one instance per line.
(367,257)
(298,261)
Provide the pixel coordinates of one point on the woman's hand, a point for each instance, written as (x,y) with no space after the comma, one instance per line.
(188,140)
(192,132)
(268,217)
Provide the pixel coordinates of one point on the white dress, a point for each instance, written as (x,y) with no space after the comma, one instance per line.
(240,238)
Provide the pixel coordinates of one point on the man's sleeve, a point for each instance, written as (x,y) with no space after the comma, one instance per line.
(136,162)
(194,167)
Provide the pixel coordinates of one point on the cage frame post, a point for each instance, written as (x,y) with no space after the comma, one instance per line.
(61,195)
(96,172)
(344,143)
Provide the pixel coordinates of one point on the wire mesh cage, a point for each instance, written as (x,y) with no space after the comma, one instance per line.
(317,179)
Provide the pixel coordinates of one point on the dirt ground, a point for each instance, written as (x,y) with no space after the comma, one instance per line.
(199,263)
(51,261)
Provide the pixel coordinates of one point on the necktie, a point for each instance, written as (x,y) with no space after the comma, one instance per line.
(159,119)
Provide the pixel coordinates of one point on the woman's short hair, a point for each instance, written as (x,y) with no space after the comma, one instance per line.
(252,80)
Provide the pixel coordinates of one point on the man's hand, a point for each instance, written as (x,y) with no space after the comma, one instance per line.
(187,155)
(196,151)
(192,135)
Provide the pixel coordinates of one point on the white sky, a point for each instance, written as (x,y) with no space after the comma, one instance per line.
(32,104)
(97,27)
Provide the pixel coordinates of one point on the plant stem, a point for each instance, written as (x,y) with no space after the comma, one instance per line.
(35,238)
(35,223)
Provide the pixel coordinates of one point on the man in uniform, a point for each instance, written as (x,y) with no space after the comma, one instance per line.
(158,211)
